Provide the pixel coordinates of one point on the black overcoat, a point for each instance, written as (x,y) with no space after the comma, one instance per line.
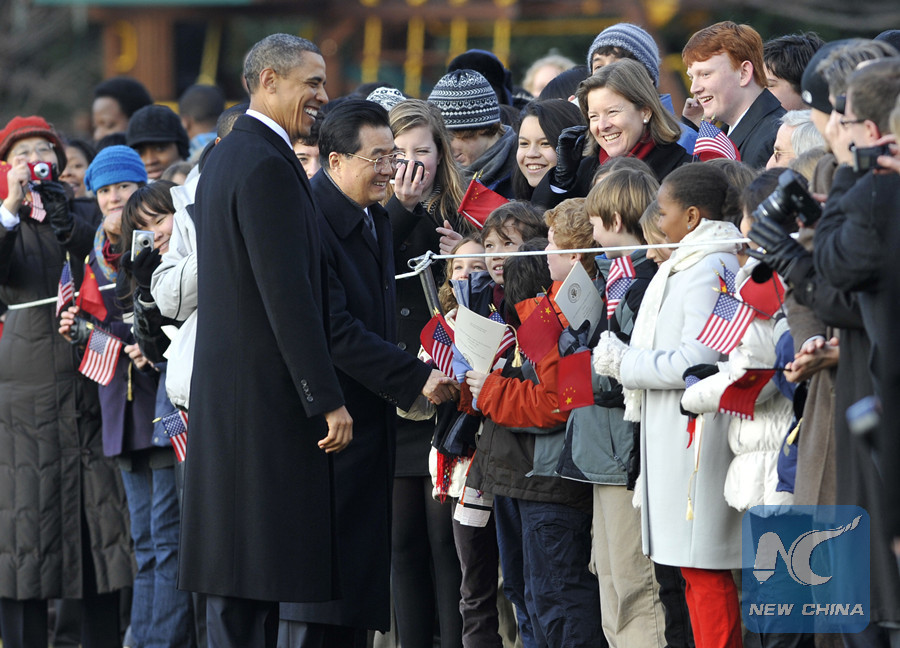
(376,377)
(258,510)
(754,135)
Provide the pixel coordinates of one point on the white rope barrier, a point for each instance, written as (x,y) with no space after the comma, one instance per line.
(49,300)
(419,263)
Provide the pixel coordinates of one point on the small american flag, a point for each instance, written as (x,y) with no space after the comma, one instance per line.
(509,338)
(101,356)
(442,350)
(38,212)
(712,143)
(175,425)
(66,290)
(729,319)
(621,276)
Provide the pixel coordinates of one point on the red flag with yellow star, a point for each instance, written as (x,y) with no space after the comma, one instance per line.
(739,399)
(479,202)
(540,331)
(89,297)
(573,381)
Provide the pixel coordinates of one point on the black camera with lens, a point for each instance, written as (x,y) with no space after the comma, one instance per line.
(790,200)
(39,171)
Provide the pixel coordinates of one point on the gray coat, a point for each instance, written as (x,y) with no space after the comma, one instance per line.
(52,468)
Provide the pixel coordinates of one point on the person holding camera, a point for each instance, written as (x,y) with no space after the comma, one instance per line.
(64,511)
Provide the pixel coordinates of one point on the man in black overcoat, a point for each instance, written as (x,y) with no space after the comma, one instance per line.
(356,149)
(266,406)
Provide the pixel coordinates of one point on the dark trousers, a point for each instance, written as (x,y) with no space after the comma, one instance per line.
(425,571)
(297,634)
(671,593)
(241,623)
(24,623)
(479,558)
(545,549)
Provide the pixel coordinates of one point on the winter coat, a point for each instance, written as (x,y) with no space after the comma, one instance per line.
(495,166)
(414,234)
(752,476)
(599,441)
(523,435)
(258,520)
(52,468)
(712,539)
(174,289)
(376,377)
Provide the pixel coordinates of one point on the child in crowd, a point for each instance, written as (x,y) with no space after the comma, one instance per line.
(543,523)
(685,519)
(601,446)
(653,235)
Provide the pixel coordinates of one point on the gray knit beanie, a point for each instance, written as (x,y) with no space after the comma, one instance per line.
(633,39)
(466,100)
(386,97)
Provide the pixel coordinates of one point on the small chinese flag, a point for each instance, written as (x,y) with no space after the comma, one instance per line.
(479,202)
(739,399)
(89,298)
(573,381)
(766,298)
(539,332)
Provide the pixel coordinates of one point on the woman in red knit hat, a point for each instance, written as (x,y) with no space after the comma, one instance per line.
(62,506)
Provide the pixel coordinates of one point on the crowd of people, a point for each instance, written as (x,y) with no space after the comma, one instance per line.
(231,416)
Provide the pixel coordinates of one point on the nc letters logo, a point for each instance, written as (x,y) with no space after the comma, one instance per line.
(805,569)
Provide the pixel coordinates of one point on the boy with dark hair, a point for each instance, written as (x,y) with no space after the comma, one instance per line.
(785,58)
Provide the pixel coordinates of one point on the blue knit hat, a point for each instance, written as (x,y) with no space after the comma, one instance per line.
(634,40)
(115,164)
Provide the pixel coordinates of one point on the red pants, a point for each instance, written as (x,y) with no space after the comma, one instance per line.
(712,600)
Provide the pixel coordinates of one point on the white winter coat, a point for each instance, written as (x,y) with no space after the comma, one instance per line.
(752,476)
(712,539)
(174,289)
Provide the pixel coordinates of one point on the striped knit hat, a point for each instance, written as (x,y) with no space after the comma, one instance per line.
(633,39)
(466,100)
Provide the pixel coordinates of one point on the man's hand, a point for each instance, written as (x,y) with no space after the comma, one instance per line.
(449,238)
(409,184)
(340,430)
(890,162)
(439,388)
(67,321)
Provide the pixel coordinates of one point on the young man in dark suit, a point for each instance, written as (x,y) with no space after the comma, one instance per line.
(356,149)
(267,409)
(725,64)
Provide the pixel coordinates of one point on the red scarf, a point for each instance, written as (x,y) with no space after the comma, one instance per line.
(640,151)
(111,258)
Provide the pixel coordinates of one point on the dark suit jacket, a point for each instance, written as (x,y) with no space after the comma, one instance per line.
(754,135)
(376,376)
(257,519)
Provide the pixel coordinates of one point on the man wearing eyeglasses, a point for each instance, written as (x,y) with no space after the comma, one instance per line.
(356,151)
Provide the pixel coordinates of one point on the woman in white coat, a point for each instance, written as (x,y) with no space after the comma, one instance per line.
(686,521)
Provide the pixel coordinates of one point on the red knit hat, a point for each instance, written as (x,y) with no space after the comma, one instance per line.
(34,126)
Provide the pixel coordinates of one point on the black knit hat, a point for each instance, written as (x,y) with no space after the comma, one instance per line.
(157,124)
(490,67)
(131,94)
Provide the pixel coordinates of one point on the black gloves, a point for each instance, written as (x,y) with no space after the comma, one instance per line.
(56,204)
(782,253)
(142,268)
(701,371)
(569,151)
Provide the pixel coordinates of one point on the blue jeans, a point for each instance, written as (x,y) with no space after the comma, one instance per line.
(160,613)
(545,549)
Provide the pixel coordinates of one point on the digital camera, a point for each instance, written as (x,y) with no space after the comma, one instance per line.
(38,171)
(790,200)
(865,158)
(141,241)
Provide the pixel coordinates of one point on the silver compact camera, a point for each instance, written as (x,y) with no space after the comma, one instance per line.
(141,241)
